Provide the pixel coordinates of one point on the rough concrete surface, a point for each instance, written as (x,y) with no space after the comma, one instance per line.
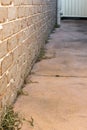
(57,93)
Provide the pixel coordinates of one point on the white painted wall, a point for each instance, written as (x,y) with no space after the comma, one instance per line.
(74,8)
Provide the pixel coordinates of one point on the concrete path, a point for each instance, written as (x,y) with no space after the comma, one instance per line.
(57,88)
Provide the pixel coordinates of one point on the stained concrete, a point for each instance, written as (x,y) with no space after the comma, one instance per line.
(57,86)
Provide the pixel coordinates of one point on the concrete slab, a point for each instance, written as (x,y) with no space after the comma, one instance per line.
(57,95)
(55,103)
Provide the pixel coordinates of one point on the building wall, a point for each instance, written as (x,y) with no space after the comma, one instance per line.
(74,8)
(24,27)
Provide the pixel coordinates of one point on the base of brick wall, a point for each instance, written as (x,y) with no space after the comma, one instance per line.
(24,28)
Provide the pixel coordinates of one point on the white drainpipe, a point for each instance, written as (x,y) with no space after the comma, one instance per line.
(59,12)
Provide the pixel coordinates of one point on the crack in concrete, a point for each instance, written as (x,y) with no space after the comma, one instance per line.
(60,76)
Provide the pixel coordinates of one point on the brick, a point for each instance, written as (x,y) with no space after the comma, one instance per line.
(3,14)
(26,13)
(12,42)
(24,23)
(20,12)
(0,69)
(12,13)
(20,50)
(31,8)
(9,95)
(15,55)
(22,2)
(3,48)
(12,72)
(7,30)
(6,62)
(17,2)
(17,26)
(29,21)
(1,30)
(26,2)
(36,2)
(6,2)
(20,37)
(3,84)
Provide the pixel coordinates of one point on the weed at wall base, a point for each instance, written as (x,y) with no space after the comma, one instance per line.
(10,120)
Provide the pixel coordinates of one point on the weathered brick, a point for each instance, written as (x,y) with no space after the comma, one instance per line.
(3,48)
(12,72)
(17,2)
(12,13)
(37,2)
(3,14)
(12,42)
(6,62)
(24,23)
(20,50)
(15,54)
(0,69)
(7,30)
(9,95)
(21,12)
(26,2)
(6,2)
(3,84)
(20,37)
(1,30)
(16,26)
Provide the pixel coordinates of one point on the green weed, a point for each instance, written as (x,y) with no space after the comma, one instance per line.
(41,55)
(31,122)
(10,120)
(21,92)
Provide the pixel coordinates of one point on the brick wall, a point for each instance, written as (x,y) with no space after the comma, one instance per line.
(24,26)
